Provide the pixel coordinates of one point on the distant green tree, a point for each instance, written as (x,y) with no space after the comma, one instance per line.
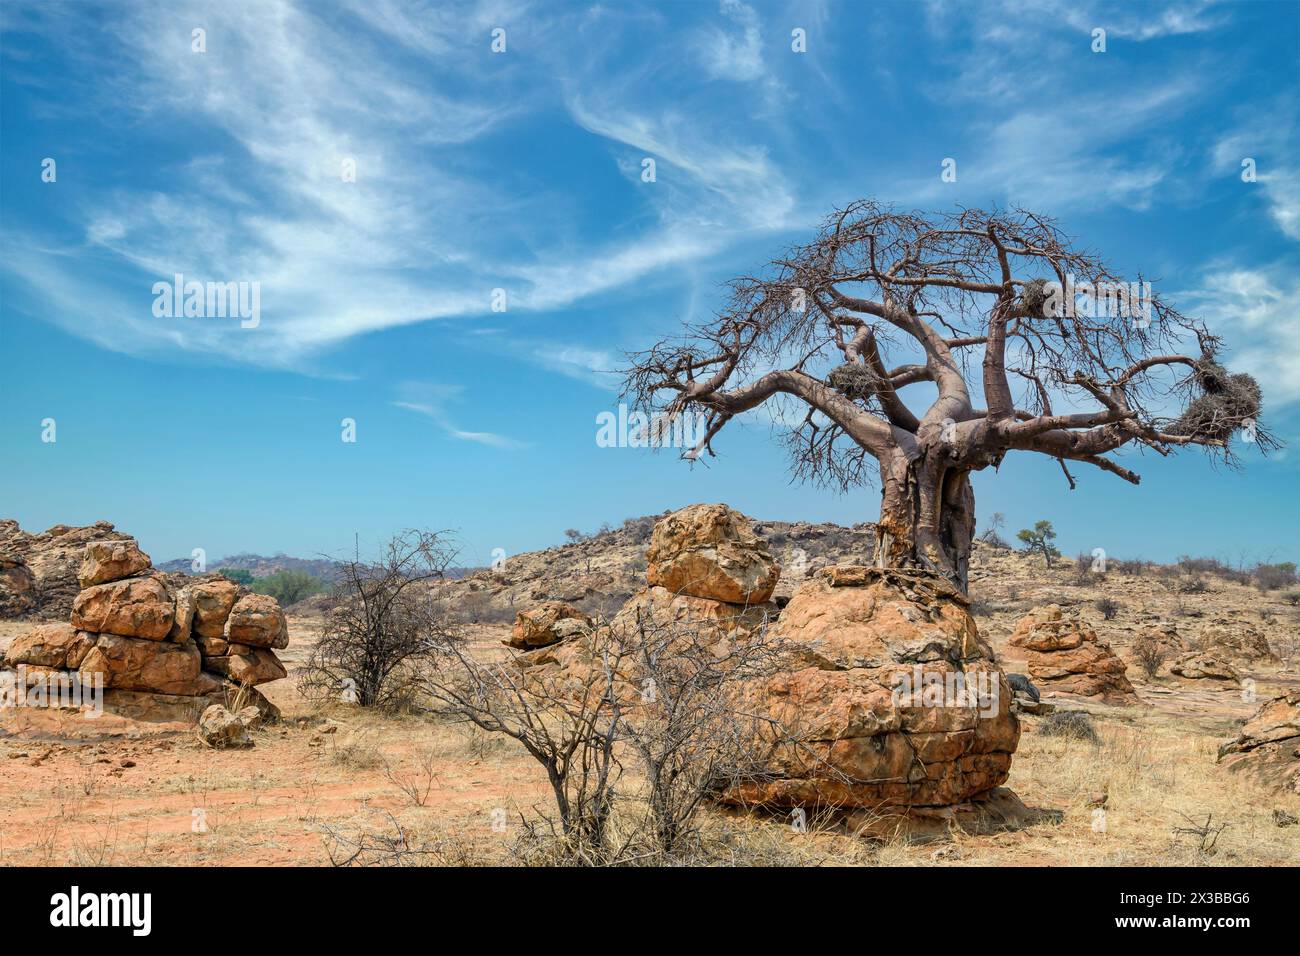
(238,575)
(1038,540)
(289,587)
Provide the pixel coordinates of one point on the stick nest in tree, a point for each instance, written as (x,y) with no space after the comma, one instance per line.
(855,381)
(1033,297)
(1225,404)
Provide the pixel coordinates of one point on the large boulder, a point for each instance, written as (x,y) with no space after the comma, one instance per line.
(246,665)
(106,561)
(711,551)
(129,663)
(257,620)
(1066,657)
(899,702)
(1268,747)
(50,645)
(213,601)
(548,623)
(134,607)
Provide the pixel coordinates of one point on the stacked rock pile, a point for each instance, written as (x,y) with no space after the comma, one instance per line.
(159,649)
(1065,656)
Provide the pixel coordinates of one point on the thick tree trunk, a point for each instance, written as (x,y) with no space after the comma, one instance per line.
(927,518)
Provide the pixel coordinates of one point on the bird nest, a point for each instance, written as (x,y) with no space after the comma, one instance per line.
(1033,297)
(1226,403)
(855,381)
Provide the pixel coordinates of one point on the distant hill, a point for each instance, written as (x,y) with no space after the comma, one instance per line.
(260,565)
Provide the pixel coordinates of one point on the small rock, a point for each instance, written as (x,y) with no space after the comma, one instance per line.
(219,728)
(1284,819)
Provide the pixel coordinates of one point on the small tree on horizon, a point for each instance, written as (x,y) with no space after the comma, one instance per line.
(993,533)
(1038,540)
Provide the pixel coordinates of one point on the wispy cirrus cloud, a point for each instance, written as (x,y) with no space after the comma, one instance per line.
(421,234)
(430,400)
(1270,147)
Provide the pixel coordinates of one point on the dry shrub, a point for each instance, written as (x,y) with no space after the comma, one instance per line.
(691,731)
(1108,608)
(655,694)
(1273,577)
(396,845)
(384,626)
(1149,654)
(568,726)
(417,782)
(1070,724)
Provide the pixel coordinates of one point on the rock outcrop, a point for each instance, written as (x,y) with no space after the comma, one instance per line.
(887,698)
(1236,642)
(158,649)
(39,573)
(694,556)
(1065,656)
(1203,666)
(1268,747)
(899,703)
(1230,643)
(18,593)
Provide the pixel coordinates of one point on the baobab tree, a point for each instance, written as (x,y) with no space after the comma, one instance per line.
(915,350)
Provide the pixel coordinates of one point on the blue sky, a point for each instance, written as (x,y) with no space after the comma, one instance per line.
(522,171)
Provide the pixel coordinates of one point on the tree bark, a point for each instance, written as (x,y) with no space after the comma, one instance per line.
(927,518)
